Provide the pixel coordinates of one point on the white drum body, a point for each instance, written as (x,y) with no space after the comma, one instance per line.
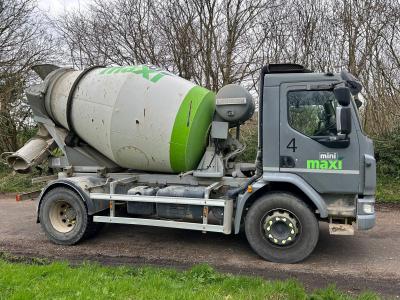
(140,117)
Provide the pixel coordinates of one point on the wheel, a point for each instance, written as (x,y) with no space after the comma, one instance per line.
(281,228)
(64,218)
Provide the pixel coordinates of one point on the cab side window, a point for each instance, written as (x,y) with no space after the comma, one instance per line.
(312,113)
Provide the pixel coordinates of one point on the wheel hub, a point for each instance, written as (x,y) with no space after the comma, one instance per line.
(62,216)
(69,214)
(280,228)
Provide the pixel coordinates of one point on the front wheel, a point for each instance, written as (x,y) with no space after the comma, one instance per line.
(281,228)
(64,218)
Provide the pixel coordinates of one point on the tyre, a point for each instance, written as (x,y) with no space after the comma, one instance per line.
(280,227)
(64,218)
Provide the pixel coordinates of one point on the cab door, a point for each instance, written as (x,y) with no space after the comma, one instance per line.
(307,135)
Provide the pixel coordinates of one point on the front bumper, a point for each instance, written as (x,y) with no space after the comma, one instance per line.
(366,213)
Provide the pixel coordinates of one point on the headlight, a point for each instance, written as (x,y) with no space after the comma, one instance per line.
(368,208)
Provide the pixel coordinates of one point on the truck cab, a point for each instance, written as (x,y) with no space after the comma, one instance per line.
(300,109)
(323,156)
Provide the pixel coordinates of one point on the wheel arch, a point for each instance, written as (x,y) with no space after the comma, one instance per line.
(280,182)
(68,185)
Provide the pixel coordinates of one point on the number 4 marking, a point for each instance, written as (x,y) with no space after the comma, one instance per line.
(292,145)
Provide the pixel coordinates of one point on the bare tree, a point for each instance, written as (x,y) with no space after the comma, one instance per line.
(23,43)
(211,42)
(216,42)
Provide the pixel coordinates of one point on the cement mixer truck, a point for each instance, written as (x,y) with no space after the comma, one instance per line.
(142,146)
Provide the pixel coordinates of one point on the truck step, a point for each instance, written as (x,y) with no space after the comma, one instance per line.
(341,229)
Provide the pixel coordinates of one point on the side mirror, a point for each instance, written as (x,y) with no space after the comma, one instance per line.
(343,96)
(343,120)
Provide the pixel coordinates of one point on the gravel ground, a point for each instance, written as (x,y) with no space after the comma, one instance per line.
(367,261)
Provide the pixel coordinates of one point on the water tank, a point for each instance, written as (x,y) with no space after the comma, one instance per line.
(234,104)
(140,117)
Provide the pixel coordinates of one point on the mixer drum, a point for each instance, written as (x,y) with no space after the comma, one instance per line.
(140,117)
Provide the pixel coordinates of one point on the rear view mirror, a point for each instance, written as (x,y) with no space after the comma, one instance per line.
(343,120)
(343,96)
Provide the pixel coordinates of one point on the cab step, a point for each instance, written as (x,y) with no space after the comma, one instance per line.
(341,229)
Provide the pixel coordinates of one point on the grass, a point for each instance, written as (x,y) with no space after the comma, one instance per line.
(91,281)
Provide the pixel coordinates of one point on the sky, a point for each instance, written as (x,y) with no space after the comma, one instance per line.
(57,7)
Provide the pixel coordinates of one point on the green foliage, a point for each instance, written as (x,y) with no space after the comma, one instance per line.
(24,135)
(3,168)
(92,281)
(387,189)
(387,152)
(249,137)
(15,183)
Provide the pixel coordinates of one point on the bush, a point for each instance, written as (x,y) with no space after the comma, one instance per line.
(11,182)
(249,137)
(387,153)
(26,134)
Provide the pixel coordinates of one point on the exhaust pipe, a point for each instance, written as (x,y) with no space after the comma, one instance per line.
(33,153)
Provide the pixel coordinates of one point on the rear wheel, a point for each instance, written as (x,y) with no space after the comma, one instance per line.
(64,218)
(281,228)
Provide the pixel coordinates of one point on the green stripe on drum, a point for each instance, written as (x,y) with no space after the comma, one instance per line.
(190,132)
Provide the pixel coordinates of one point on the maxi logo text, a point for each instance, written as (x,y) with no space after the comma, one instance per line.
(326,161)
(147,72)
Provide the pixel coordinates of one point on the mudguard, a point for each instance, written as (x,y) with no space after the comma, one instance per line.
(81,186)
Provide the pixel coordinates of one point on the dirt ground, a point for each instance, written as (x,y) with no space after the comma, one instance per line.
(367,261)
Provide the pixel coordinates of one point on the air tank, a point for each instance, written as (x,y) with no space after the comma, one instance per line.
(140,117)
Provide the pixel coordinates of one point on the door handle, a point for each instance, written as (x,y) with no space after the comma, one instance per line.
(287,162)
